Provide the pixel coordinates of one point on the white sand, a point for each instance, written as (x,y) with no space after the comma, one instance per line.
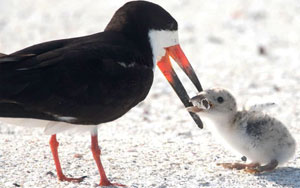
(157,145)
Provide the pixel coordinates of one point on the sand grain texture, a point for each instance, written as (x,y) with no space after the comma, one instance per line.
(249,47)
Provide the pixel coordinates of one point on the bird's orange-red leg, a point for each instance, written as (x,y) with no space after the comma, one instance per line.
(54,145)
(96,154)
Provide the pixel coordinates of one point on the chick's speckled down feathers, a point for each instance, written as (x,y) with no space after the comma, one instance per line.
(254,134)
(262,138)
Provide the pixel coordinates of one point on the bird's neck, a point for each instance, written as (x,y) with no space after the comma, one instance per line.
(219,122)
(138,36)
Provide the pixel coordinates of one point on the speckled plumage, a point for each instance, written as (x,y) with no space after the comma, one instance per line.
(251,133)
(266,137)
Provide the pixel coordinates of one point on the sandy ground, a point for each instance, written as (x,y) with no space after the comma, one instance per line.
(249,47)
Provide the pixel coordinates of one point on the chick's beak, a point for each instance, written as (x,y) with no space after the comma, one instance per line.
(194,109)
(166,68)
(200,103)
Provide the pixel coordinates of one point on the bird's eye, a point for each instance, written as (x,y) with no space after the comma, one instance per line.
(220,99)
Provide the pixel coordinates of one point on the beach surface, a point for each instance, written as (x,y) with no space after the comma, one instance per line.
(249,47)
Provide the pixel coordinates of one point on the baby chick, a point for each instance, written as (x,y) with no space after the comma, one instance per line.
(262,139)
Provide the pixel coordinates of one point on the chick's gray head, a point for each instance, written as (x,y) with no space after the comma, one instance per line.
(214,101)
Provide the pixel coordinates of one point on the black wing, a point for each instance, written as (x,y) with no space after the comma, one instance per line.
(83,78)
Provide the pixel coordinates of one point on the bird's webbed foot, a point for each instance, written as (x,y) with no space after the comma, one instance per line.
(238,166)
(265,168)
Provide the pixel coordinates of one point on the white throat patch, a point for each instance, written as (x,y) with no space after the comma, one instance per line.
(159,40)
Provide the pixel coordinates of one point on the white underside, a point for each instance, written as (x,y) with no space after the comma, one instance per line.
(50,127)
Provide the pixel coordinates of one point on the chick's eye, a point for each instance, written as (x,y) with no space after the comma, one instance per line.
(220,99)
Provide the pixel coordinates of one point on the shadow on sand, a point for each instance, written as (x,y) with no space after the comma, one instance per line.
(284,176)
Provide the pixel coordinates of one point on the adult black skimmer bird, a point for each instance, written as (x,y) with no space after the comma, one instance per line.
(94,79)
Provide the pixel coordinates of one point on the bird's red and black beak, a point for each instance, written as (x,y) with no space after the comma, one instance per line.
(166,68)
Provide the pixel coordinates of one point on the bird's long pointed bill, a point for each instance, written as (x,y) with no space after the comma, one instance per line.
(166,68)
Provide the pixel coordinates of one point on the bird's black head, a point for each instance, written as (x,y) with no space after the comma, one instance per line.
(141,16)
(154,33)
(136,19)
